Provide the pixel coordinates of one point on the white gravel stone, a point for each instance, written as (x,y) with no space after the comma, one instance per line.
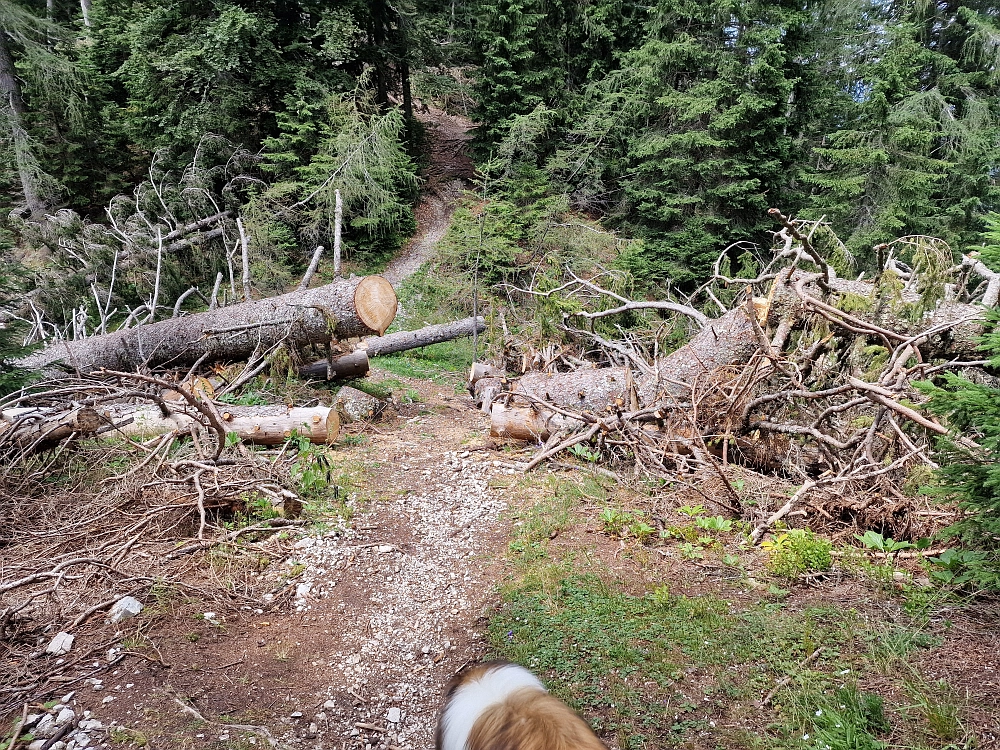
(124,609)
(60,644)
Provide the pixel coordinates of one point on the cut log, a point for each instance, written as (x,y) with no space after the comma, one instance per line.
(357,406)
(344,367)
(35,428)
(485,392)
(344,308)
(480,370)
(400,341)
(581,390)
(526,423)
(262,425)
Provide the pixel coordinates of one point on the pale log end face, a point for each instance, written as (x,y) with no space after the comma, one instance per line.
(332,427)
(375,302)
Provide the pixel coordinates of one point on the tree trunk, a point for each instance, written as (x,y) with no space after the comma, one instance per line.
(401,341)
(393,343)
(344,309)
(485,392)
(345,367)
(595,391)
(35,428)
(27,169)
(261,425)
(527,423)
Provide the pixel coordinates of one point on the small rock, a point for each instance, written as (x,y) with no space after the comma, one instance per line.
(899,576)
(383,548)
(313,728)
(60,745)
(37,745)
(60,644)
(108,699)
(65,716)
(46,726)
(31,719)
(68,697)
(82,740)
(393,715)
(330,704)
(125,608)
(91,724)
(302,590)
(296,714)
(211,617)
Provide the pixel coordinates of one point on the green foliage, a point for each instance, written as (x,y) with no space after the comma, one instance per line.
(875,541)
(850,720)
(797,551)
(969,471)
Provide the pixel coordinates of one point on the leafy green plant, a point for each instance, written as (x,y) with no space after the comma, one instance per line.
(690,552)
(797,551)
(691,510)
(660,596)
(875,541)
(584,453)
(614,520)
(714,523)
(641,530)
(958,568)
(849,721)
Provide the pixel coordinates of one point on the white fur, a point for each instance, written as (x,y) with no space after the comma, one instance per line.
(472,698)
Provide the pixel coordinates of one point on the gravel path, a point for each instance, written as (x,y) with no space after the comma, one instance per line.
(448,173)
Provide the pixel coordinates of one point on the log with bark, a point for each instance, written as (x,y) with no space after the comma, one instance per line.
(357,406)
(260,425)
(342,309)
(347,366)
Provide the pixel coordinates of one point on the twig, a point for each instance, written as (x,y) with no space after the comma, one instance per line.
(18,727)
(785,680)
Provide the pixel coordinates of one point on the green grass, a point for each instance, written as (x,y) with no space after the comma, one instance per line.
(651,670)
(662,669)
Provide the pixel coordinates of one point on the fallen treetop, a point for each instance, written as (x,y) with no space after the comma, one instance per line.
(345,308)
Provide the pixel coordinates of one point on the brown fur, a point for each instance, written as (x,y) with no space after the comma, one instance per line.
(528,719)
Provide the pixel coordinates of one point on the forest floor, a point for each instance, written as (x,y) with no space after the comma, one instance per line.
(429,548)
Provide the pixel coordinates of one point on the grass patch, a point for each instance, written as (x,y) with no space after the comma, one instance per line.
(657,670)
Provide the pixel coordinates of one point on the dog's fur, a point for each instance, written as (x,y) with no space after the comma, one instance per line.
(501,706)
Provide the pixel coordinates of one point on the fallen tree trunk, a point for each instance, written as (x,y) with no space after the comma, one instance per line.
(349,366)
(485,392)
(528,423)
(31,428)
(342,309)
(344,367)
(261,425)
(401,341)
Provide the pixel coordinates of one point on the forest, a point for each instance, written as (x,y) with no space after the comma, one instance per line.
(727,276)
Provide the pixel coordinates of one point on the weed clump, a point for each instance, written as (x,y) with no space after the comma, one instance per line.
(796,552)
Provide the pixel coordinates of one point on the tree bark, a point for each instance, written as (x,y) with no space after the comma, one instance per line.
(344,309)
(357,406)
(345,367)
(401,341)
(261,425)
(529,424)
(35,428)
(581,390)
(374,346)
(485,392)
(10,91)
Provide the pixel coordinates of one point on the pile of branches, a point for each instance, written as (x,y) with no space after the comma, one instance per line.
(801,375)
(129,517)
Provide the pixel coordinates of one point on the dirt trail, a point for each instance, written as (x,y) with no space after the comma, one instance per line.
(448,173)
(366,618)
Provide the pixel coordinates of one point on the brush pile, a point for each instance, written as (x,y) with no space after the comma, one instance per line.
(802,375)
